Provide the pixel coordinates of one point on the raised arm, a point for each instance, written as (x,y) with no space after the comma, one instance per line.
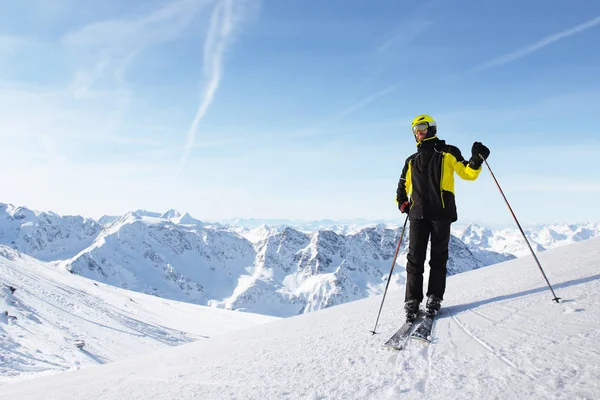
(462,168)
(470,170)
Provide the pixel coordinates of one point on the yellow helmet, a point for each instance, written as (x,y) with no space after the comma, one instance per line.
(429,123)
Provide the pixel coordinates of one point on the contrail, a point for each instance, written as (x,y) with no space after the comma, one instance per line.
(221,24)
(536,46)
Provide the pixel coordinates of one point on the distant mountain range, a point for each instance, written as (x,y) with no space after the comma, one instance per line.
(274,270)
(541,237)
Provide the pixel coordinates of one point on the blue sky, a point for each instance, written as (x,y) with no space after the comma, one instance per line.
(296,109)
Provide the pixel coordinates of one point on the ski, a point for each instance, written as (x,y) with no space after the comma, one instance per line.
(423,330)
(398,340)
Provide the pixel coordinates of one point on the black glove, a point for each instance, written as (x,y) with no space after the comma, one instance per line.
(477,152)
(404,207)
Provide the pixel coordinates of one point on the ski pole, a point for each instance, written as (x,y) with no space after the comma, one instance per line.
(556,299)
(390,277)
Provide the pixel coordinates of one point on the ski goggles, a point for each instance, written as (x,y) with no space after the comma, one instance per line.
(422,127)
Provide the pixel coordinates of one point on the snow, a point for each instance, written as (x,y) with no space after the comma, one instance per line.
(259,234)
(45,236)
(510,241)
(155,256)
(51,310)
(345,227)
(273,270)
(187,219)
(499,335)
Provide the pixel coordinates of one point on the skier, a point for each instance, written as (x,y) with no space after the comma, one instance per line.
(426,193)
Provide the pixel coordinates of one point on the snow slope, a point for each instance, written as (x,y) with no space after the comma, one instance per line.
(51,309)
(499,336)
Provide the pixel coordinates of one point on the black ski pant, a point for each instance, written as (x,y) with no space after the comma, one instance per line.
(421,230)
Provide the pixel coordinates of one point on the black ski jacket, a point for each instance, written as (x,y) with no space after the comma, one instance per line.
(427,180)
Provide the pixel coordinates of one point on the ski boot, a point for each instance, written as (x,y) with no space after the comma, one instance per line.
(434,303)
(411,307)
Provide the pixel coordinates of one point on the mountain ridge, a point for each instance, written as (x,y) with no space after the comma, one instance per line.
(280,271)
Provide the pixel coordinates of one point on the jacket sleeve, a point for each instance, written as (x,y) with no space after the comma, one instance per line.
(403,184)
(461,166)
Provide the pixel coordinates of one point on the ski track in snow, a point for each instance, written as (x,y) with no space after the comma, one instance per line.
(490,348)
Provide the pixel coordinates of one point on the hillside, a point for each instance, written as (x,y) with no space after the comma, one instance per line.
(44,310)
(499,336)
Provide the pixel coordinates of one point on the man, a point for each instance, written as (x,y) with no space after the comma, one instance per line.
(426,193)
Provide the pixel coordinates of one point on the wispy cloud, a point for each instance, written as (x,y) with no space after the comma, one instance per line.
(106,49)
(365,102)
(101,55)
(507,58)
(89,112)
(220,31)
(403,34)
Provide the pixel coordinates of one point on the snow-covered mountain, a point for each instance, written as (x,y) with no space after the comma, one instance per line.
(156,256)
(45,311)
(551,236)
(45,236)
(338,226)
(286,273)
(258,234)
(498,336)
(510,241)
(280,271)
(477,238)
(299,272)
(187,219)
(108,219)
(307,272)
